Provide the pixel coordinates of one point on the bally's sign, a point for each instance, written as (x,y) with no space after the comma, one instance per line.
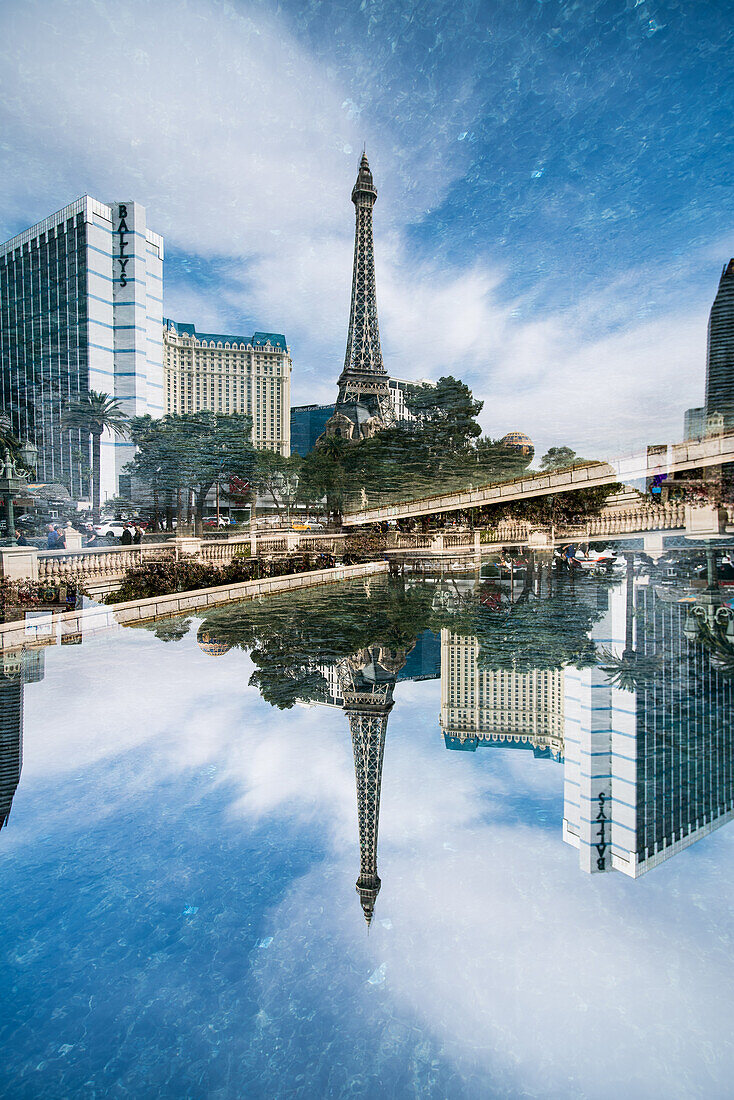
(123,244)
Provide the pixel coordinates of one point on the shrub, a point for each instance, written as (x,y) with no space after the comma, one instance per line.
(163,578)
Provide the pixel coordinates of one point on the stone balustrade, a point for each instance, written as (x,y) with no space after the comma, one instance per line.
(106,565)
(272,543)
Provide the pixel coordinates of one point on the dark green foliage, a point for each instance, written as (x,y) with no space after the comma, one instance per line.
(183,454)
(556,458)
(555,508)
(162,578)
(21,596)
(277,477)
(289,637)
(438,452)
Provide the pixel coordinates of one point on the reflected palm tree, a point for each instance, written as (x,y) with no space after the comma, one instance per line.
(630,669)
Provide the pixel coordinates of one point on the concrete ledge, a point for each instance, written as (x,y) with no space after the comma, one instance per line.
(92,620)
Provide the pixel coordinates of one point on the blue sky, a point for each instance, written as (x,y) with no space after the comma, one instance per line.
(554,206)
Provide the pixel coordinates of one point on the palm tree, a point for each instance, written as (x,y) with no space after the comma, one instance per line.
(93,413)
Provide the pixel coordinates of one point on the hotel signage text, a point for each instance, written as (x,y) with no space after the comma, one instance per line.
(123,233)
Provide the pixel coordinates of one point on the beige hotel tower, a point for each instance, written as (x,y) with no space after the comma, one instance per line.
(231,374)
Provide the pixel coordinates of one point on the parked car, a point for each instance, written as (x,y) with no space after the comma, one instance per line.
(113,527)
(223,521)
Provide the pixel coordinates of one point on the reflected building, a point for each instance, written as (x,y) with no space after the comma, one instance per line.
(367,681)
(646,737)
(498,706)
(16,670)
(648,771)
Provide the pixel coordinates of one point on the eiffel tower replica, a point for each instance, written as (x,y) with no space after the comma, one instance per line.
(366,681)
(364,405)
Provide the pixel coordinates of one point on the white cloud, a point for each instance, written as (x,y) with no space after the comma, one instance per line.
(243,146)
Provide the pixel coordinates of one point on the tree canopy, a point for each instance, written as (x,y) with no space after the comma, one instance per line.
(440,449)
(556,458)
(189,452)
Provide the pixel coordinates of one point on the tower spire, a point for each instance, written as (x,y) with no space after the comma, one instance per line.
(364,403)
(367,681)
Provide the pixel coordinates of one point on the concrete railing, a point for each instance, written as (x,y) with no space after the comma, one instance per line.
(438,542)
(105,565)
(290,542)
(618,522)
(58,628)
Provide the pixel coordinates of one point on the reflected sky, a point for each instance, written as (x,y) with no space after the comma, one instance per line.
(179,914)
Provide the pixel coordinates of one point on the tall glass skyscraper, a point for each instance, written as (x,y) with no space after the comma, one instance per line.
(81,308)
(720,355)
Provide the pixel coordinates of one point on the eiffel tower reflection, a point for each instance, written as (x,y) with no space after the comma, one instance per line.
(367,680)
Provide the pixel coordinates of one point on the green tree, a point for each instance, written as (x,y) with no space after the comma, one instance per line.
(277,477)
(188,453)
(446,413)
(323,475)
(92,414)
(558,457)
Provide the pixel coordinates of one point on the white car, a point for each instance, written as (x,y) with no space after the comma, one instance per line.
(110,527)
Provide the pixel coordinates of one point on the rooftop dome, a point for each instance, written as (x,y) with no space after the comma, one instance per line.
(519,442)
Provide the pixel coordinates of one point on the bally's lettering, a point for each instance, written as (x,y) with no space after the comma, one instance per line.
(124,244)
(602,839)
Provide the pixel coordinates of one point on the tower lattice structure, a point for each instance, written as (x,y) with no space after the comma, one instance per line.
(364,391)
(367,681)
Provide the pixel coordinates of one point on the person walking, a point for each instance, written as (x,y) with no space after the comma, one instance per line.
(126,538)
(20,539)
(137,534)
(52,538)
(60,538)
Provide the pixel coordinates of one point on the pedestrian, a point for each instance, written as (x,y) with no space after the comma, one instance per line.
(52,538)
(20,539)
(92,536)
(138,534)
(126,537)
(60,538)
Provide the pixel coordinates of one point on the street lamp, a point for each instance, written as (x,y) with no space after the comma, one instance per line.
(13,480)
(710,617)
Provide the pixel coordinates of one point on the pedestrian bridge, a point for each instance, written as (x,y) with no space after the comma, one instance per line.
(654,461)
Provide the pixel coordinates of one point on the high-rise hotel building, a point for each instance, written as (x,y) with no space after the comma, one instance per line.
(718,413)
(231,374)
(81,306)
(720,350)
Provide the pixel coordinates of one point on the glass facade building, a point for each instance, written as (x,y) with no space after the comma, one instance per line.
(720,353)
(81,305)
(307,424)
(649,770)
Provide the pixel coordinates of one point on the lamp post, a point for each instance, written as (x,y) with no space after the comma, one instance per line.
(710,615)
(13,480)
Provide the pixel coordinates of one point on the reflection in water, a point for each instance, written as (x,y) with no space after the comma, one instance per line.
(16,670)
(648,771)
(367,681)
(646,739)
(485,706)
